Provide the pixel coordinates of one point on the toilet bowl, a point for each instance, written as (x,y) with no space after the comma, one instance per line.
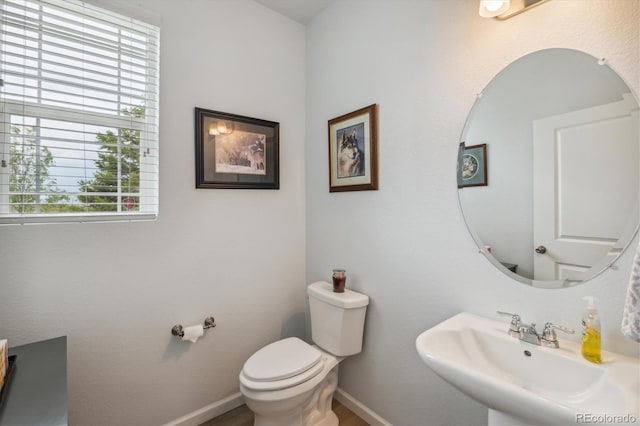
(290,382)
(292,397)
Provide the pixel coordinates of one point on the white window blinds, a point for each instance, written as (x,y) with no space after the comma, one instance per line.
(79,113)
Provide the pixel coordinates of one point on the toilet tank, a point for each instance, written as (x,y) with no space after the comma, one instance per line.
(337,319)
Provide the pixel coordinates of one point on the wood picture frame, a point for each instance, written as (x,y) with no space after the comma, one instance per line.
(353,150)
(236,152)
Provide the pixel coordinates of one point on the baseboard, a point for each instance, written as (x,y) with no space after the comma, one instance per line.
(361,410)
(217,408)
(210,411)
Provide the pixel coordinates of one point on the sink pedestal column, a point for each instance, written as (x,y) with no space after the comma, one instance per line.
(498,418)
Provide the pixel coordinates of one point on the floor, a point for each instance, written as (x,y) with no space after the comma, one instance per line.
(242,416)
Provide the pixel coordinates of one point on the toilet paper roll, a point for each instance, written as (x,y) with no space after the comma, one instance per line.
(193,333)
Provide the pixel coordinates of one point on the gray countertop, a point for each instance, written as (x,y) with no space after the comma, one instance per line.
(37,393)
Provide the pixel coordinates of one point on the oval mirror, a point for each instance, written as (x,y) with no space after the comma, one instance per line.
(548,168)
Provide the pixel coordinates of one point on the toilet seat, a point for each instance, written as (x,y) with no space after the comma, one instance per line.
(282,364)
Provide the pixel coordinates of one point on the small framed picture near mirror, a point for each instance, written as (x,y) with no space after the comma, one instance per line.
(472,165)
(353,151)
(236,152)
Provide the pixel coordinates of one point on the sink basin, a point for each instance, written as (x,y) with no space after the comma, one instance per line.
(530,384)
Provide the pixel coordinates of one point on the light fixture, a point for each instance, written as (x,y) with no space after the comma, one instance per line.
(493,8)
(505,9)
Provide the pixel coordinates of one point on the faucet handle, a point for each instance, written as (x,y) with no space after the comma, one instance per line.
(514,327)
(509,314)
(560,327)
(549,338)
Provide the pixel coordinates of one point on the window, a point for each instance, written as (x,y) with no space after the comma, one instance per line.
(79,113)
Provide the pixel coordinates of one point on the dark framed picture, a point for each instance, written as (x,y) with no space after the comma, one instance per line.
(236,152)
(472,165)
(353,151)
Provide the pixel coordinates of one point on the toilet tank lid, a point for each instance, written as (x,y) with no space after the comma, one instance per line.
(348,300)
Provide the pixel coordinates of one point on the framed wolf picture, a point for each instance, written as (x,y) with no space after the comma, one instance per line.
(353,151)
(236,152)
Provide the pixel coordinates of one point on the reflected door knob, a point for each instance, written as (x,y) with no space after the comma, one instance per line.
(541,249)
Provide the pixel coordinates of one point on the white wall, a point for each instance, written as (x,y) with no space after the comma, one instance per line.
(406,245)
(117,289)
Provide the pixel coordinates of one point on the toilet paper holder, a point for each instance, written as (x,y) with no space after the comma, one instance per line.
(178,329)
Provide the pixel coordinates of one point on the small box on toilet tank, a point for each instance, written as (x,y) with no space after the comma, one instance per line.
(337,323)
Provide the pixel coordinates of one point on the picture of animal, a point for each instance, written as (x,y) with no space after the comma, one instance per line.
(241,152)
(350,155)
(255,154)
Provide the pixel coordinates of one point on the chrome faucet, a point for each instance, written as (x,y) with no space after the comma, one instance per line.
(549,338)
(528,332)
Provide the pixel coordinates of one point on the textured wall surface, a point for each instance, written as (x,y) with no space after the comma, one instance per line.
(406,245)
(117,289)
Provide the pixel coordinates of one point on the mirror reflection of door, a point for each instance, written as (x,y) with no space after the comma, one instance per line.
(586,118)
(584,174)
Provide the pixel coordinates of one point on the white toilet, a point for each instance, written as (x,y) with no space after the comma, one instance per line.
(290,382)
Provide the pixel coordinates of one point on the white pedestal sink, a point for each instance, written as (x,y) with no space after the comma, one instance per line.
(524,384)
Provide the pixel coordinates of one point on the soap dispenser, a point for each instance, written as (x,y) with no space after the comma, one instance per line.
(591,332)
